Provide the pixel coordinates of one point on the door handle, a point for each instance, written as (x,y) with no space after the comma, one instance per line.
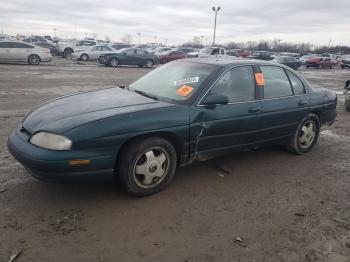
(303,103)
(254,109)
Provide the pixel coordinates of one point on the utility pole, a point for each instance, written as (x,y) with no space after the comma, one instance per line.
(216,10)
(139,35)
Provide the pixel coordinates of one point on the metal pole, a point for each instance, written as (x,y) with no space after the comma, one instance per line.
(216,12)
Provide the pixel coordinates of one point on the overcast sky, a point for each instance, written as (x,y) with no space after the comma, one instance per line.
(178,21)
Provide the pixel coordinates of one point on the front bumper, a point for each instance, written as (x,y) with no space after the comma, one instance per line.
(103,60)
(51,165)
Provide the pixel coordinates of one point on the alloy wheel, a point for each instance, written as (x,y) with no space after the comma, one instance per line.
(307,134)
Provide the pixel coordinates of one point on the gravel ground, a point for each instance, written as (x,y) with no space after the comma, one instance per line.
(273,206)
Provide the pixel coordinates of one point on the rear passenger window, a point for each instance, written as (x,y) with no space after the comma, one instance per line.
(237,84)
(276,82)
(21,45)
(298,86)
(5,45)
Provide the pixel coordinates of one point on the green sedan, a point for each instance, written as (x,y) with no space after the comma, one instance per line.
(185,111)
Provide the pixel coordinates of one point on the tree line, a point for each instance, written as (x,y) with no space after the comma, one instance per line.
(279,46)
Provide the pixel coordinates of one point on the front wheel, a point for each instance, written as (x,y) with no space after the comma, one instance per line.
(67,53)
(114,62)
(149,64)
(305,136)
(34,60)
(84,57)
(147,166)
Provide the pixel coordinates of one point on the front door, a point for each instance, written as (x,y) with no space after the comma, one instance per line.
(225,128)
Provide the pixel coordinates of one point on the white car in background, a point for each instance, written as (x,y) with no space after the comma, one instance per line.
(91,53)
(68,47)
(208,52)
(16,51)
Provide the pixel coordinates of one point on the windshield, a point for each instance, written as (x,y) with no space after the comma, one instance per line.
(206,50)
(174,82)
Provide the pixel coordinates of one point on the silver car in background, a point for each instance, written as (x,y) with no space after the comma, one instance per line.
(16,51)
(91,53)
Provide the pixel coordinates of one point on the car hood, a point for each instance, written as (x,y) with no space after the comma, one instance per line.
(65,113)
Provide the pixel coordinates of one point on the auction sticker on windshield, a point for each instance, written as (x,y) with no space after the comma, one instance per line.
(185,81)
(184,90)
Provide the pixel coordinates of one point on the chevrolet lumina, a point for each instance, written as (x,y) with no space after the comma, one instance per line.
(187,110)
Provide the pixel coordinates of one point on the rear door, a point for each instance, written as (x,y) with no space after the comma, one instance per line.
(284,104)
(20,51)
(5,49)
(140,57)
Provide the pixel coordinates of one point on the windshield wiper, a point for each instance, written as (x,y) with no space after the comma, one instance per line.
(146,94)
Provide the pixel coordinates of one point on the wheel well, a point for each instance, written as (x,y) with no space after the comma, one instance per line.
(68,48)
(318,114)
(173,139)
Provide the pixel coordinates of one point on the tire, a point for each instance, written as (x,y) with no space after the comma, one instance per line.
(305,136)
(146,166)
(149,64)
(34,60)
(114,62)
(67,52)
(331,66)
(84,57)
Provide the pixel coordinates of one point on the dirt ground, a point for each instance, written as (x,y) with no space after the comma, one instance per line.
(282,207)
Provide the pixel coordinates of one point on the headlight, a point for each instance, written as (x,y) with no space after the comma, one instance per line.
(51,141)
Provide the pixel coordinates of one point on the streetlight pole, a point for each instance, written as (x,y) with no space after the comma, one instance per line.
(216,10)
(55,31)
(139,34)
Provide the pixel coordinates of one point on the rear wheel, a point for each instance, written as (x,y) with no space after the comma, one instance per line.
(84,57)
(147,166)
(305,136)
(34,60)
(114,62)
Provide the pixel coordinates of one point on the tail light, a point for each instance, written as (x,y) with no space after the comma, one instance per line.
(45,50)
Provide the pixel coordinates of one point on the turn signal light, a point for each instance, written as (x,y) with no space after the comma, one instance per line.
(79,162)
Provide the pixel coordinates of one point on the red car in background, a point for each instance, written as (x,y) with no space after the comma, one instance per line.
(320,62)
(171,56)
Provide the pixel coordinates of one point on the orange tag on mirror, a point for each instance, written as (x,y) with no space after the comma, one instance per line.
(259,78)
(184,90)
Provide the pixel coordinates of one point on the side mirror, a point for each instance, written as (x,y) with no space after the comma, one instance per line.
(347,85)
(214,99)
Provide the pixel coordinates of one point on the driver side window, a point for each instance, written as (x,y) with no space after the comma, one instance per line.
(237,84)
